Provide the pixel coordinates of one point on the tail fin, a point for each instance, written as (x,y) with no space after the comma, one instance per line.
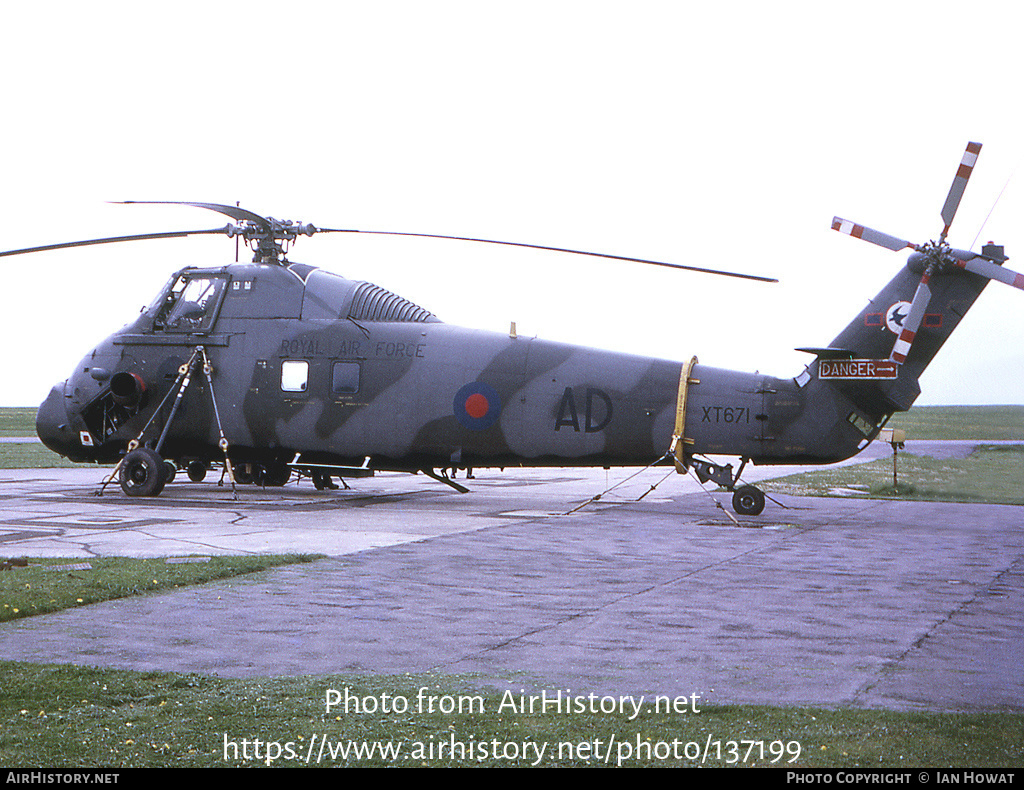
(875,331)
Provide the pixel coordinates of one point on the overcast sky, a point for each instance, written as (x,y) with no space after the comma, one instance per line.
(715,134)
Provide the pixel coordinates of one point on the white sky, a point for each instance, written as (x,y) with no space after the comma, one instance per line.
(718,134)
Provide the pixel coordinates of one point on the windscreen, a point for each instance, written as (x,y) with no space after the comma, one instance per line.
(189,304)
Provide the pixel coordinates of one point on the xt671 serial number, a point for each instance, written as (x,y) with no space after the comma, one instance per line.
(726,414)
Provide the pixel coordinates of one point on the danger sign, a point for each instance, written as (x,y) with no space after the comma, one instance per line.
(857,369)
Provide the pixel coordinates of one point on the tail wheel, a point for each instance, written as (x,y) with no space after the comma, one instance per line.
(748,501)
(142,473)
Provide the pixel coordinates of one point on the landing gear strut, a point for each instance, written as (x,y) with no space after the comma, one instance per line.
(322,481)
(746,500)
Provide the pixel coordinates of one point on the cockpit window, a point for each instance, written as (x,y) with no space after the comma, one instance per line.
(190,304)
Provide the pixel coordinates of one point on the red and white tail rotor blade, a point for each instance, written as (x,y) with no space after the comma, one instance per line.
(992,271)
(867,234)
(956,191)
(912,322)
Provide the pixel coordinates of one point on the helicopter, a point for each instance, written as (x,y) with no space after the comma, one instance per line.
(271,369)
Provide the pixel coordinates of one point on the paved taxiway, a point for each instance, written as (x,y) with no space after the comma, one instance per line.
(828,602)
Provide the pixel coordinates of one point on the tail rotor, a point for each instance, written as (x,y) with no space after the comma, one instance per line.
(937,256)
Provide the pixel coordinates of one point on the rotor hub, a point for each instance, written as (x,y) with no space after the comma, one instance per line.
(938,255)
(270,240)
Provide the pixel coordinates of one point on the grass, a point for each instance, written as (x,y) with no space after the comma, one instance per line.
(32,456)
(58,716)
(991,474)
(980,423)
(22,422)
(32,590)
(19,421)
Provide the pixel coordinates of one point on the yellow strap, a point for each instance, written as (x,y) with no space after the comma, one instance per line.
(677,436)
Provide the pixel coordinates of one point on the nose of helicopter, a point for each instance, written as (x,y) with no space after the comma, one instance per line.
(52,423)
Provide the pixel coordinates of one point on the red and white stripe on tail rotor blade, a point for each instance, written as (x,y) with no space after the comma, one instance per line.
(992,271)
(912,323)
(956,191)
(867,234)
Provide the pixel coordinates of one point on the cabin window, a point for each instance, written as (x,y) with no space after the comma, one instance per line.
(345,378)
(294,375)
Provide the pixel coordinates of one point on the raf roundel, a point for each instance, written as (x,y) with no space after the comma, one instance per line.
(477,406)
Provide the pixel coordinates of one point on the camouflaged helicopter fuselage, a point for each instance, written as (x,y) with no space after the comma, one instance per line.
(336,370)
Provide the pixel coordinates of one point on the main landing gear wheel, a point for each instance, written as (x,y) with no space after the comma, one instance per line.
(196,471)
(276,474)
(142,473)
(748,501)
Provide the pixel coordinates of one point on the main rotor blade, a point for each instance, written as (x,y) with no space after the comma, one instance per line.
(912,322)
(139,237)
(236,213)
(867,234)
(956,191)
(700,269)
(992,271)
